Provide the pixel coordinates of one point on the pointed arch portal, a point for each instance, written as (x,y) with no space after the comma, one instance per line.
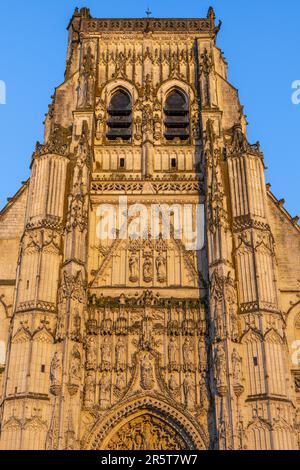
(146,424)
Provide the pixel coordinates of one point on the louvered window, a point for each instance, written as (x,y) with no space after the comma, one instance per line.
(176,116)
(120,117)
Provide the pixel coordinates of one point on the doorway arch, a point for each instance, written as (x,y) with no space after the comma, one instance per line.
(146,424)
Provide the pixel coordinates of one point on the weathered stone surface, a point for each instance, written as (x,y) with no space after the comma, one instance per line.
(142,343)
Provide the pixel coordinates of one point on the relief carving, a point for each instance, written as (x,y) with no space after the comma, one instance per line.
(134,268)
(121,355)
(91,353)
(105,390)
(189,390)
(220,368)
(106,351)
(147,373)
(56,372)
(188,355)
(86,82)
(146,433)
(161,268)
(173,353)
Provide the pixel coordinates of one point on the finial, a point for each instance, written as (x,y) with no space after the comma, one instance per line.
(85,12)
(148,12)
(211,14)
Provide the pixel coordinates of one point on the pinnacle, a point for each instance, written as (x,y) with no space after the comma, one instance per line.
(211,13)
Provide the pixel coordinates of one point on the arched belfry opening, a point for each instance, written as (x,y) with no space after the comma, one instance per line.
(120,116)
(176,112)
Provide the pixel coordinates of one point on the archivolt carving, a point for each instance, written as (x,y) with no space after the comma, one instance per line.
(167,86)
(187,430)
(146,432)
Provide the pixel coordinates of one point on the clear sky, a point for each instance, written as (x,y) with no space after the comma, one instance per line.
(261,41)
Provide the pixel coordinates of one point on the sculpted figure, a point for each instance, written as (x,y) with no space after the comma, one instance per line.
(106,352)
(157,127)
(134,268)
(105,387)
(89,389)
(138,128)
(92,353)
(147,270)
(220,366)
(189,391)
(204,397)
(202,355)
(147,377)
(187,353)
(120,381)
(86,81)
(120,354)
(173,351)
(173,384)
(56,369)
(161,268)
(75,367)
(237,367)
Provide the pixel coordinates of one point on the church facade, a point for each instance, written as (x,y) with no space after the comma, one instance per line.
(118,336)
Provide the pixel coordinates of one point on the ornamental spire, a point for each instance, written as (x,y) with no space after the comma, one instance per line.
(211,14)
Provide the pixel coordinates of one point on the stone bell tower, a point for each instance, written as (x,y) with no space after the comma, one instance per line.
(126,339)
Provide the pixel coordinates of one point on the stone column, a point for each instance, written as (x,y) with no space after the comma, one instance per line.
(264,344)
(26,398)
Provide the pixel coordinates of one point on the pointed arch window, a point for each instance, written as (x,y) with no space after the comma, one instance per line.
(120,116)
(177,123)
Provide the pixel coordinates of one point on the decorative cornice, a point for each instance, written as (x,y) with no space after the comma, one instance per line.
(148,24)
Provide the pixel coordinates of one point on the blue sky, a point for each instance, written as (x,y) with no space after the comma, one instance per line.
(261,41)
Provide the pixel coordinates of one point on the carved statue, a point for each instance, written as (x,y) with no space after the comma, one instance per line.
(196,127)
(173,352)
(237,371)
(173,384)
(120,355)
(202,355)
(100,126)
(56,369)
(86,81)
(91,353)
(189,391)
(187,351)
(120,62)
(105,388)
(220,366)
(89,389)
(148,270)
(147,119)
(61,322)
(161,268)
(76,331)
(75,366)
(146,337)
(106,353)
(204,396)
(134,268)
(147,375)
(157,127)
(234,325)
(138,128)
(218,319)
(120,381)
